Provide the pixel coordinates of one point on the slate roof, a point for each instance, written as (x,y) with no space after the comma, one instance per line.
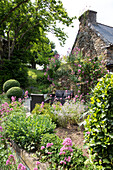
(105,32)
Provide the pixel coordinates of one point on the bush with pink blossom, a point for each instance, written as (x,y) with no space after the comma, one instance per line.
(61,154)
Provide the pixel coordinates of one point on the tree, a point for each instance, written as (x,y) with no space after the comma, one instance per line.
(22,20)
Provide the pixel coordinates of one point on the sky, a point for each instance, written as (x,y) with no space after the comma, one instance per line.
(104,9)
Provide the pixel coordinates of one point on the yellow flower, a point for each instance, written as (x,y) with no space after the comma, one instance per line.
(98,100)
(92,100)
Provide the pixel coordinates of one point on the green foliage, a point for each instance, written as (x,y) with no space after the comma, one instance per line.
(99,123)
(46,109)
(3,99)
(14,91)
(10,83)
(13,70)
(27,131)
(56,154)
(69,113)
(85,70)
(26,23)
(33,85)
(53,66)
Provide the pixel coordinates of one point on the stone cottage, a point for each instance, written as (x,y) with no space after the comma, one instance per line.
(94,38)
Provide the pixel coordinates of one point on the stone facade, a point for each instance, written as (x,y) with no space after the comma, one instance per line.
(91,41)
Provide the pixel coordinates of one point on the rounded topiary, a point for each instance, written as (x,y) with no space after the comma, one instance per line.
(14,91)
(10,83)
(99,123)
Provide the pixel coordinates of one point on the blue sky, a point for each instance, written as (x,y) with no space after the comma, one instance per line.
(104,9)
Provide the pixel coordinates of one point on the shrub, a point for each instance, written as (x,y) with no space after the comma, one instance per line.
(14,91)
(47,109)
(13,69)
(10,83)
(61,154)
(85,70)
(70,113)
(99,123)
(27,131)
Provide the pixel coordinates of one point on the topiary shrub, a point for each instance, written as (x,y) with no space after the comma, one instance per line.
(10,83)
(99,123)
(14,91)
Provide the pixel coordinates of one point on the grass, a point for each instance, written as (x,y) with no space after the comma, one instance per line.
(34,86)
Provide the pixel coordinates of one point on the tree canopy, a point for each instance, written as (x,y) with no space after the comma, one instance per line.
(25,24)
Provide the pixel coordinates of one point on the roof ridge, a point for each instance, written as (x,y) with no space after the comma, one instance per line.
(104,25)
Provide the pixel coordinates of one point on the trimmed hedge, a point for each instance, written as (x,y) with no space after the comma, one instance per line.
(14,91)
(10,83)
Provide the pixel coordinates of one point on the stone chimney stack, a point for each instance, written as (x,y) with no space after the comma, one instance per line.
(89,16)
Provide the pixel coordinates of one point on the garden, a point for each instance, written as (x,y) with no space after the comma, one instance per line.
(48,131)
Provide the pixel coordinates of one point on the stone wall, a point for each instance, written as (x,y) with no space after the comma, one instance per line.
(89,42)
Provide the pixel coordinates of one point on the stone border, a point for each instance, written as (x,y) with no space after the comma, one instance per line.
(27,159)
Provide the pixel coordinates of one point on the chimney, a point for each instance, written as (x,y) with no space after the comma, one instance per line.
(89,16)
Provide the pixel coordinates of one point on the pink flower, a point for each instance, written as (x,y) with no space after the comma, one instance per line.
(68,159)
(13,98)
(37,163)
(1,128)
(49,153)
(42,105)
(61,162)
(20,100)
(49,145)
(21,166)
(62,153)
(88,133)
(26,93)
(79,70)
(90,59)
(8,162)
(67,141)
(45,73)
(42,147)
(79,65)
(11,109)
(35,168)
